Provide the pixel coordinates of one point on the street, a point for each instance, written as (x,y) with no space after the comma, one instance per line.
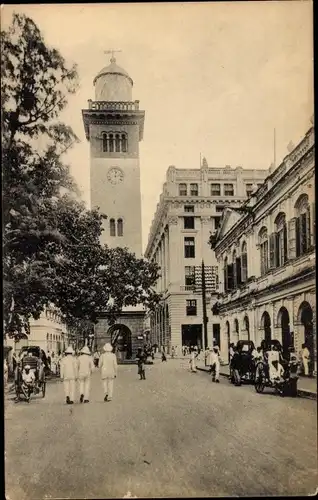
(176,434)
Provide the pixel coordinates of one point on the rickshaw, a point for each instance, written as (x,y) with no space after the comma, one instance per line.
(290,375)
(33,358)
(247,364)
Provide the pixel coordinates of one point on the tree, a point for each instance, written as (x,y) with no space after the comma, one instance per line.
(52,253)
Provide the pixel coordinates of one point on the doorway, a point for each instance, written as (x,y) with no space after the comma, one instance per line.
(266,326)
(287,341)
(192,335)
(121,341)
(305,314)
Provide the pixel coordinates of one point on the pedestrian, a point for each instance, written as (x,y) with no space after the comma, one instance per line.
(214,358)
(53,364)
(141,364)
(108,366)
(69,374)
(49,359)
(96,358)
(305,358)
(163,355)
(173,352)
(193,356)
(5,372)
(85,369)
(235,367)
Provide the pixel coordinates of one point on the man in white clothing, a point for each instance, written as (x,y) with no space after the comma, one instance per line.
(85,369)
(69,374)
(108,365)
(214,360)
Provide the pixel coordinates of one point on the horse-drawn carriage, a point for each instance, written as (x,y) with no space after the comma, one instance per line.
(286,382)
(30,362)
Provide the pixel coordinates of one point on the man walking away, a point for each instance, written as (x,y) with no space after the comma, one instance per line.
(141,364)
(85,369)
(235,367)
(192,362)
(108,366)
(163,355)
(69,374)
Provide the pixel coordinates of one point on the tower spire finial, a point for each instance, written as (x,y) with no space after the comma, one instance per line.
(112,52)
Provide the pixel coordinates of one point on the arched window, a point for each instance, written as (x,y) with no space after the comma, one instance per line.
(105,146)
(124,143)
(303,239)
(244,273)
(111,143)
(112,227)
(117,143)
(183,191)
(120,228)
(281,239)
(263,243)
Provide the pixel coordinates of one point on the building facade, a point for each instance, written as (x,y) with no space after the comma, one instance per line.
(114,126)
(48,332)
(266,259)
(189,210)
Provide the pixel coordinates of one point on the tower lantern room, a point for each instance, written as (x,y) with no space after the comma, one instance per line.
(113,83)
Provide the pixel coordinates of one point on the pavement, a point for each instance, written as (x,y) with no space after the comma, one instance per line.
(176,434)
(307,387)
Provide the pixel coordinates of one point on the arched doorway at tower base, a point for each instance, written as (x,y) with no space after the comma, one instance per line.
(120,338)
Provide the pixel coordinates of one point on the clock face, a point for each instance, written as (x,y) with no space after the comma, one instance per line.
(115,175)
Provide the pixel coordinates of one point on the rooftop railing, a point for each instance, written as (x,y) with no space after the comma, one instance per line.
(113,105)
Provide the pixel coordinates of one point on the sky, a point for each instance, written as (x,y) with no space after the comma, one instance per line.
(214,78)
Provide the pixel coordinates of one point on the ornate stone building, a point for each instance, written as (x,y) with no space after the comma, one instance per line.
(114,126)
(189,210)
(266,259)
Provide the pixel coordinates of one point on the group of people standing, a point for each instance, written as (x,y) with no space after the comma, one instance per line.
(81,369)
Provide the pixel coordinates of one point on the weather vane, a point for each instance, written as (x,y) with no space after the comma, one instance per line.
(112,52)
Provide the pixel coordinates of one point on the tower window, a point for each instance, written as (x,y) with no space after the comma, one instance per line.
(183,191)
(111,143)
(105,148)
(124,143)
(117,143)
(194,190)
(120,228)
(188,222)
(112,227)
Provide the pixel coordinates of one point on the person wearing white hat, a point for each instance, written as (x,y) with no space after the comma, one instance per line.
(69,374)
(214,360)
(85,369)
(108,365)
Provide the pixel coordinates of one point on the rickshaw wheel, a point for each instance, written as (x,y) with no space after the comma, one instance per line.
(43,389)
(259,384)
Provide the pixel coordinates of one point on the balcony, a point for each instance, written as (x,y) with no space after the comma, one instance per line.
(113,105)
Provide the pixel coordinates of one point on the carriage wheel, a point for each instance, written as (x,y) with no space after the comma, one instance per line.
(43,389)
(260,383)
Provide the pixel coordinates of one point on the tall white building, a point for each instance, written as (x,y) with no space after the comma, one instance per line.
(189,210)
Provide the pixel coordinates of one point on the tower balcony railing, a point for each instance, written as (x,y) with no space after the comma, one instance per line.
(113,105)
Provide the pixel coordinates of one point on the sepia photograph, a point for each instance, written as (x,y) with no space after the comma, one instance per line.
(159,250)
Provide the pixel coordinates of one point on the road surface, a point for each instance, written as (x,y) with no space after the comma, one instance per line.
(176,434)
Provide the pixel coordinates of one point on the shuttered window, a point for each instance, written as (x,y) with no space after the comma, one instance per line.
(230,277)
(264,257)
(225,270)
(292,244)
(273,250)
(238,271)
(244,274)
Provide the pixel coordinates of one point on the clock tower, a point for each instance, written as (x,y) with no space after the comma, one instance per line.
(114,126)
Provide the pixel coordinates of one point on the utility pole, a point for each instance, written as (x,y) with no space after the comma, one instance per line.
(205,317)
